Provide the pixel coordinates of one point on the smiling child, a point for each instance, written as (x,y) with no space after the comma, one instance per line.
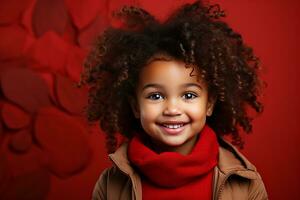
(173,89)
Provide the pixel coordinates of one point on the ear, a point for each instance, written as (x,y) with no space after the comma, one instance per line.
(210,106)
(134,106)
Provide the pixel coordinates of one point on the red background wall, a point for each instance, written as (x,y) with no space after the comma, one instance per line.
(48,151)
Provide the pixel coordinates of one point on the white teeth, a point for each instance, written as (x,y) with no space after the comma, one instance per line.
(173,126)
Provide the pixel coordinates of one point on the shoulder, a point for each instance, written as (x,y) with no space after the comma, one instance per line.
(111,183)
(241,173)
(100,187)
(115,182)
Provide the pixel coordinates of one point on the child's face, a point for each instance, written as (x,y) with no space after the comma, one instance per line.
(171,105)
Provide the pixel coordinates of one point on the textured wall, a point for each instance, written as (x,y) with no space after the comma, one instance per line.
(47,150)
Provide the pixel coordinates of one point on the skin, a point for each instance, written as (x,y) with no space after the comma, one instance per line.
(167,94)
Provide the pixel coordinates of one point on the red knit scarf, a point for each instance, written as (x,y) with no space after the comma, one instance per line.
(170,175)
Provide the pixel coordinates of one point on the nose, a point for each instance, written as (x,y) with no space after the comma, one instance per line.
(172,108)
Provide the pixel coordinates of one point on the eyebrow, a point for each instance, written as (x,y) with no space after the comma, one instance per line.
(155,85)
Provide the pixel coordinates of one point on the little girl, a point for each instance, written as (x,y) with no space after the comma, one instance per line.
(174,89)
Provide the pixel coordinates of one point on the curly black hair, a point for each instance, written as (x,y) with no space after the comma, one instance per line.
(194,34)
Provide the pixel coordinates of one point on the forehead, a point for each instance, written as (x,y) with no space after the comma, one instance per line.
(169,72)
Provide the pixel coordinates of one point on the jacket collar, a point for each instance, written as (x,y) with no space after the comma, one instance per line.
(230,159)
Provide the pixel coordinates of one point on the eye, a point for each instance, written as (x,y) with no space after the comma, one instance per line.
(155,96)
(189,95)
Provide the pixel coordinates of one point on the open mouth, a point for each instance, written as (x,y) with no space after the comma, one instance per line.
(173,128)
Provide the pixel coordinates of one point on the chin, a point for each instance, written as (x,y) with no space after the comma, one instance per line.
(174,143)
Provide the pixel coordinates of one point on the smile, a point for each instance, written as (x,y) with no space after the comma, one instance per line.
(173,128)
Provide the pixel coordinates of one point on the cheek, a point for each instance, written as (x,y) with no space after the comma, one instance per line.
(197,112)
(149,111)
(148,117)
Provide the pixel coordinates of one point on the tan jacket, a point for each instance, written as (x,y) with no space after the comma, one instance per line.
(235,178)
